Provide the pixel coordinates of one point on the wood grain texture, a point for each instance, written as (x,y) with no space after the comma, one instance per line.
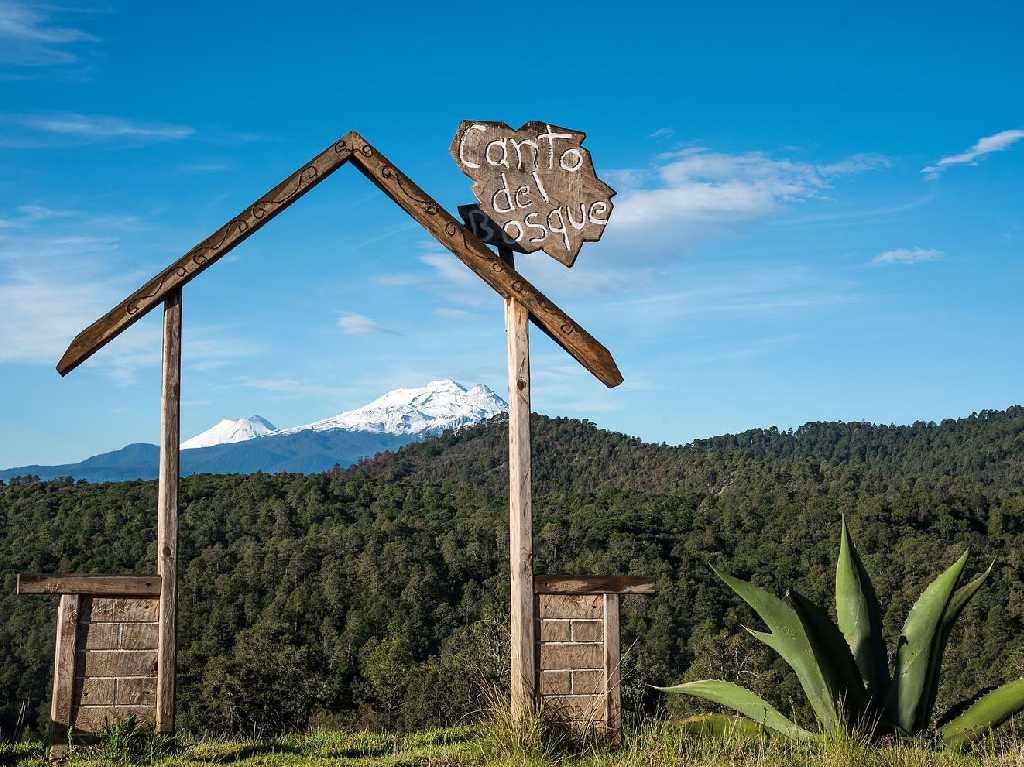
(601,584)
(612,660)
(502,277)
(203,255)
(520,510)
(167,511)
(537,184)
(424,209)
(90,585)
(64,657)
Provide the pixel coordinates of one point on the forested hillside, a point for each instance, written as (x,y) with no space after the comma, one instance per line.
(378,595)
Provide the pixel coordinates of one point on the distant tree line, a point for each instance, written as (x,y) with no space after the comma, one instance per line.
(378,596)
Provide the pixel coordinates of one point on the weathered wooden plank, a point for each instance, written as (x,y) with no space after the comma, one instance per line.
(520,509)
(136,691)
(121,610)
(601,584)
(118,663)
(587,631)
(95,691)
(588,682)
(613,678)
(140,636)
(167,511)
(458,239)
(64,658)
(582,606)
(501,276)
(556,656)
(90,585)
(574,708)
(204,255)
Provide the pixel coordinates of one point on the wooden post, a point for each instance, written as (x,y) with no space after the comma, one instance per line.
(520,506)
(167,511)
(64,657)
(612,672)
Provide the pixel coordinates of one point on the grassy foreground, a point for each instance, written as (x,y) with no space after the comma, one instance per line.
(652,746)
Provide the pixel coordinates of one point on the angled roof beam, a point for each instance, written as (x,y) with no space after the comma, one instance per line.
(503,278)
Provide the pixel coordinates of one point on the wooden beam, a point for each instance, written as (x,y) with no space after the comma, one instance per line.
(204,255)
(601,584)
(64,657)
(502,277)
(167,512)
(90,585)
(520,509)
(612,667)
(493,270)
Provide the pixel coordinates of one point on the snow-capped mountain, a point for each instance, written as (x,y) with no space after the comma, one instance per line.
(253,444)
(431,409)
(228,431)
(415,412)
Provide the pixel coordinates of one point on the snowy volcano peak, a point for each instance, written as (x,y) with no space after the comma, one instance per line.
(227,430)
(417,412)
(431,409)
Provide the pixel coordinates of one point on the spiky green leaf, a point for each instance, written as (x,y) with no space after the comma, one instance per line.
(744,701)
(789,639)
(987,713)
(860,617)
(916,645)
(833,654)
(956,606)
(723,726)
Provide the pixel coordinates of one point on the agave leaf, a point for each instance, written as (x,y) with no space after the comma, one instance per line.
(747,703)
(916,646)
(956,606)
(860,617)
(723,726)
(789,639)
(833,655)
(987,713)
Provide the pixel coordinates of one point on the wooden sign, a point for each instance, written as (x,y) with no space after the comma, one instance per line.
(537,184)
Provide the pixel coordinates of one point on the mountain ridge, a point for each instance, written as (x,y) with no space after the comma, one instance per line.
(253,444)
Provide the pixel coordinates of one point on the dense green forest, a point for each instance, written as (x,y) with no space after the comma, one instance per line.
(377,596)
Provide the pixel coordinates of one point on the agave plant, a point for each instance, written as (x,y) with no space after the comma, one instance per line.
(844,669)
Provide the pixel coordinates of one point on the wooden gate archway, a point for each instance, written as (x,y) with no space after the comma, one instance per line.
(126,596)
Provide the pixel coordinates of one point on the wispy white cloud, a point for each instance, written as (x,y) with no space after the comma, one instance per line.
(662,133)
(27,215)
(291,387)
(697,184)
(28,38)
(908,256)
(352,324)
(41,310)
(445,276)
(997,142)
(399,279)
(27,131)
(755,292)
(448,313)
(201,168)
(856,214)
(59,272)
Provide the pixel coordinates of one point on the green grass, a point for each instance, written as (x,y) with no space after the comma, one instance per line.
(655,744)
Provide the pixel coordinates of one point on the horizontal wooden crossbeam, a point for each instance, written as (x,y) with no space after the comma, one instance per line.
(502,277)
(90,585)
(598,584)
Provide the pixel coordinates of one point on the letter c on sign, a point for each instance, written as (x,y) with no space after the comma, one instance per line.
(462,145)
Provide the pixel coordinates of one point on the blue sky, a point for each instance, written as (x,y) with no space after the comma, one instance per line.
(818,212)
